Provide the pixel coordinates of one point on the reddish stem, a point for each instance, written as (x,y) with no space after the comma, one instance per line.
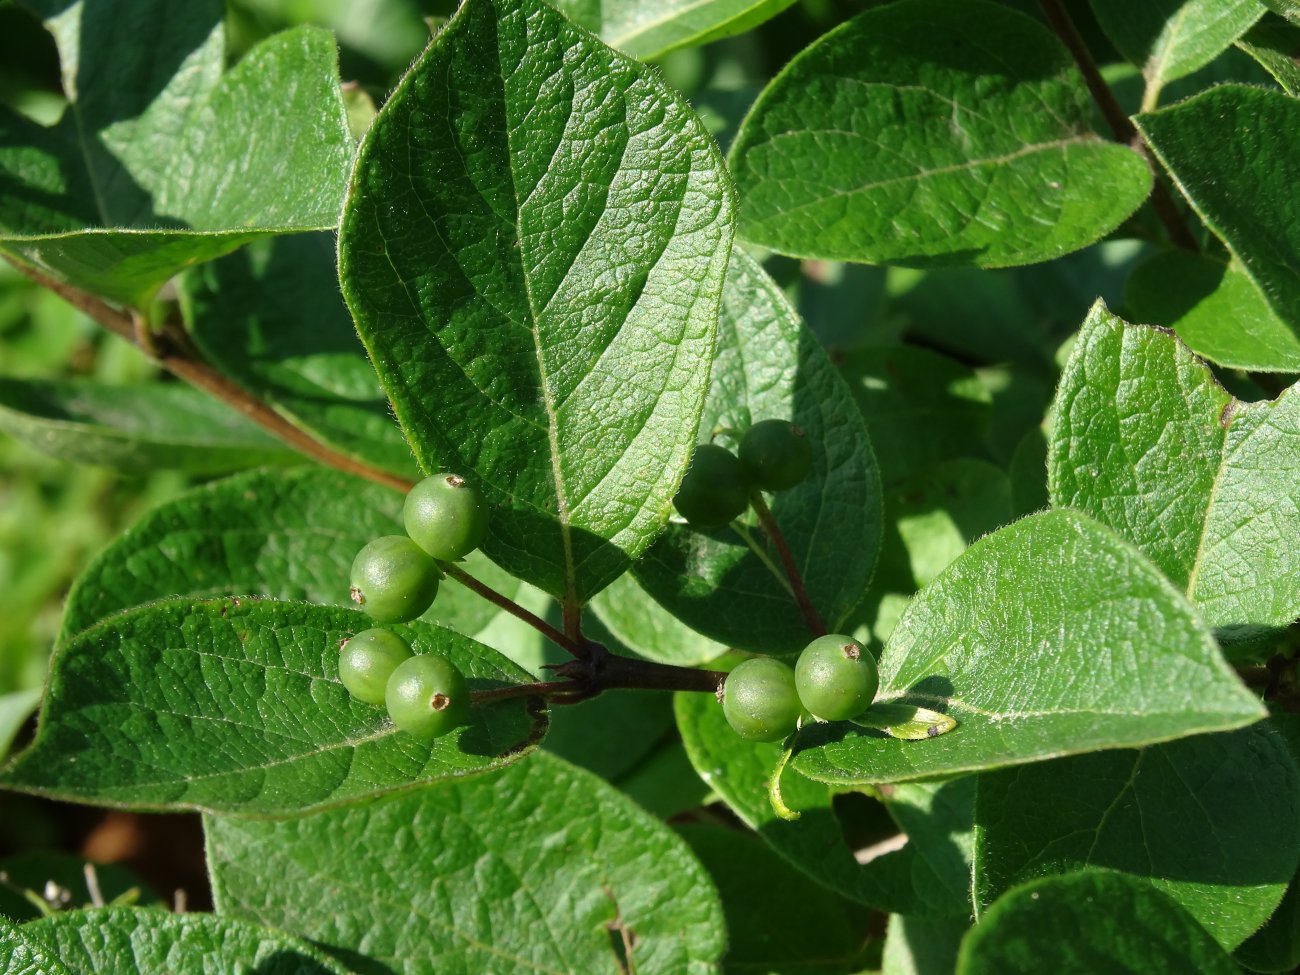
(773,531)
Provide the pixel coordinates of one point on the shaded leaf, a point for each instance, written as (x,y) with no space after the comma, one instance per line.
(1244,189)
(1149,443)
(134,428)
(1215,308)
(1188,817)
(158,162)
(127,941)
(921,946)
(271,318)
(1126,926)
(1049,637)
(533,248)
(541,868)
(235,705)
(931,132)
(769,366)
(1276,46)
(1168,39)
(645,627)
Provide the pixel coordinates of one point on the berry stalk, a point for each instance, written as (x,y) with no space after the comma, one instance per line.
(773,530)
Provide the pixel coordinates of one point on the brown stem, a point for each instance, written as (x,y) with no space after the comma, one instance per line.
(173,350)
(599,671)
(1162,201)
(773,531)
(512,607)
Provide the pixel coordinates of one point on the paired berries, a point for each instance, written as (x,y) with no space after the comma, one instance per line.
(774,455)
(395,578)
(834,679)
(426,696)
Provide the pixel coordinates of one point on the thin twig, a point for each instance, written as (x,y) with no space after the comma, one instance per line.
(773,531)
(1162,201)
(512,607)
(601,671)
(175,353)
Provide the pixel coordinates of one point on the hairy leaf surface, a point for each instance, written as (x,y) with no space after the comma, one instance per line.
(931,132)
(1149,443)
(1168,39)
(1049,637)
(543,868)
(533,248)
(235,705)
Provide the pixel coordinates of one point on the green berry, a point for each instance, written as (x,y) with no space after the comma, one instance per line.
(714,490)
(393,579)
(427,696)
(836,677)
(367,661)
(446,516)
(760,700)
(776,454)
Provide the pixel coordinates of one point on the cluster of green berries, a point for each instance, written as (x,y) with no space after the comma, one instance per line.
(774,455)
(834,679)
(395,579)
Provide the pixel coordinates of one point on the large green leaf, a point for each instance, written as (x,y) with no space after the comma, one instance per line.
(543,868)
(1086,923)
(769,366)
(1244,190)
(1049,637)
(1146,441)
(1168,39)
(921,946)
(24,955)
(1215,308)
(271,318)
(1276,46)
(1188,817)
(917,879)
(134,428)
(931,132)
(161,161)
(235,705)
(128,941)
(778,921)
(650,28)
(533,248)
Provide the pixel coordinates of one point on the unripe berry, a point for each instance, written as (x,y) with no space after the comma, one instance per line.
(714,490)
(760,701)
(836,677)
(776,454)
(427,696)
(367,660)
(446,516)
(393,579)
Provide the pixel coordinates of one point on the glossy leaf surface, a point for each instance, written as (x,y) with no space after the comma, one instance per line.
(931,132)
(543,868)
(533,248)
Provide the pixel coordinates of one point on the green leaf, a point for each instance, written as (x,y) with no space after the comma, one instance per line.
(161,161)
(1149,443)
(779,922)
(931,132)
(1276,46)
(1276,946)
(921,946)
(24,955)
(283,534)
(127,941)
(905,721)
(15,708)
(609,734)
(1244,189)
(1168,39)
(665,782)
(1290,9)
(917,878)
(921,408)
(134,428)
(235,705)
(648,629)
(1215,308)
(1049,637)
(1086,923)
(543,868)
(1186,817)
(271,318)
(647,29)
(769,366)
(30,872)
(538,283)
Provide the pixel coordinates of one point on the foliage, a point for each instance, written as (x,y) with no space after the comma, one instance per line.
(1022,276)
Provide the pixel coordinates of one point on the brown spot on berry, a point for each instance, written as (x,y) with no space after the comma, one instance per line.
(455,480)
(440,702)
(851,651)
(357,595)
